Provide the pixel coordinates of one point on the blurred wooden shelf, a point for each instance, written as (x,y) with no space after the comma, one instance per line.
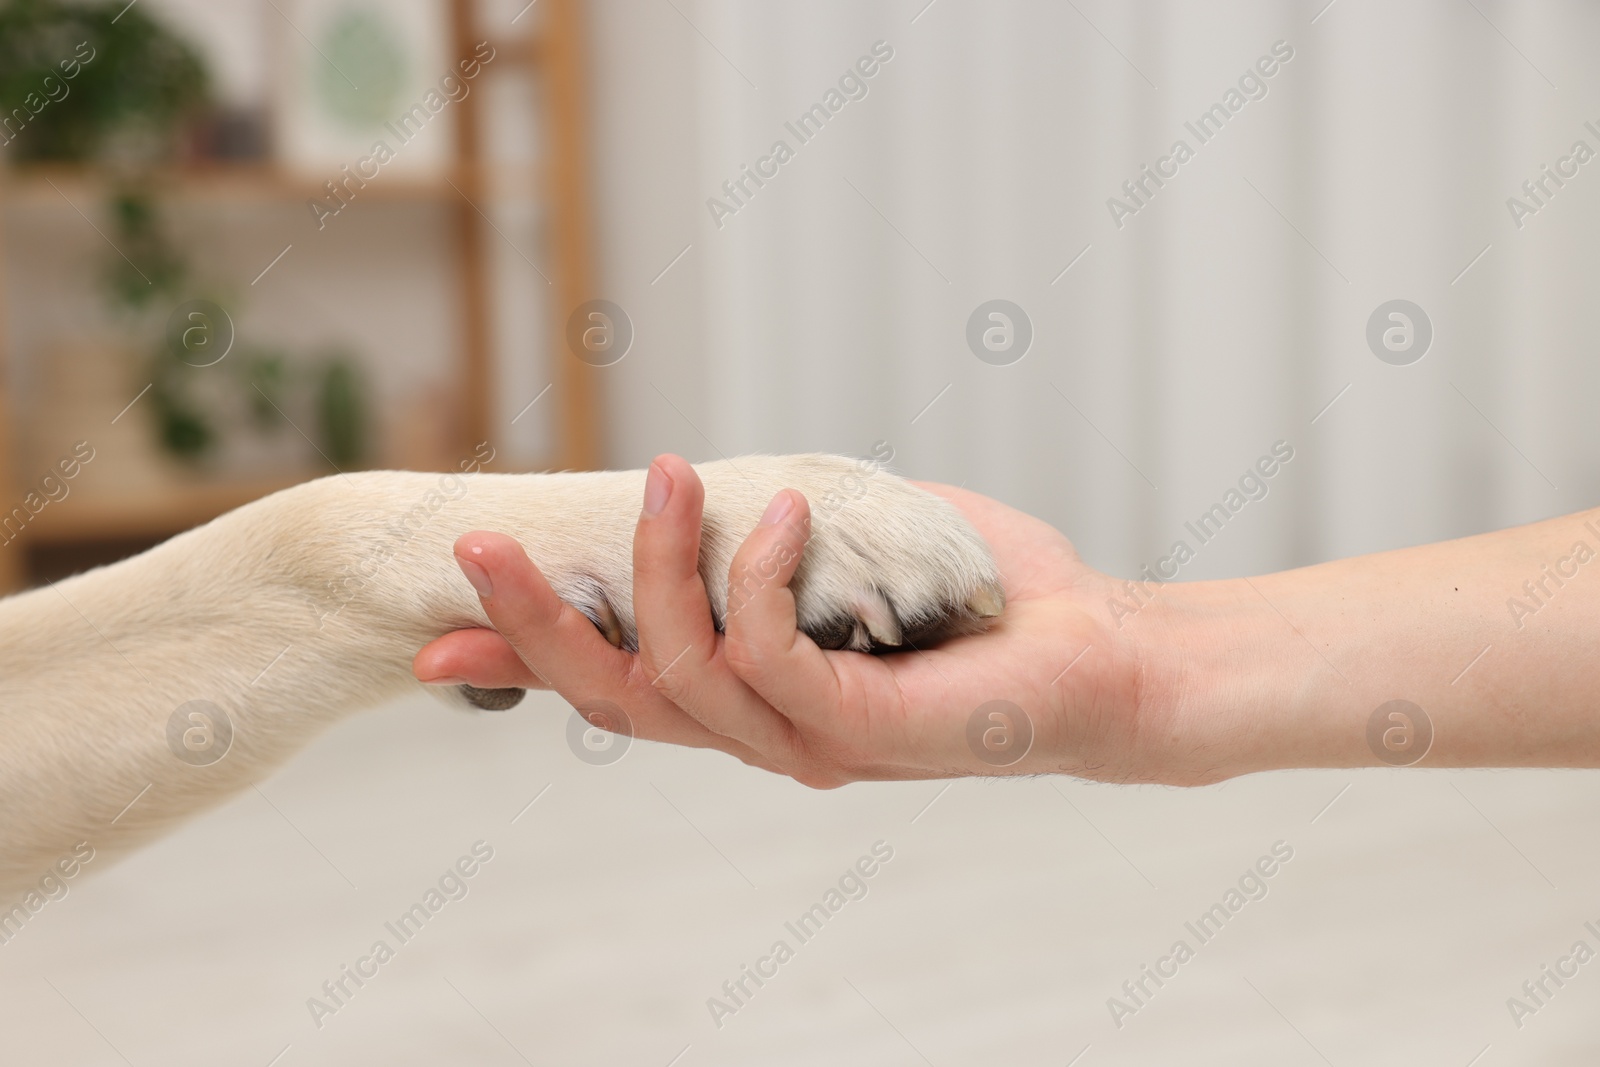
(38,183)
(557,181)
(157,513)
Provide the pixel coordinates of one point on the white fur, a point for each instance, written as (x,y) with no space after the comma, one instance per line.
(309,604)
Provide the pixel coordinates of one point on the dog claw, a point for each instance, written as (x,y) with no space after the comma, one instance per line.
(987,603)
(608,624)
(879,618)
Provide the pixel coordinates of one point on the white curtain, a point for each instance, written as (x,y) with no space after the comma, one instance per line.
(1219,319)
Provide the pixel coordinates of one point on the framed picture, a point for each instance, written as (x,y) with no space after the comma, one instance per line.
(364,81)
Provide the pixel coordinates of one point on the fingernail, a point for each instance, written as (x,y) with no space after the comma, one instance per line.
(779,509)
(657,490)
(448,680)
(477,576)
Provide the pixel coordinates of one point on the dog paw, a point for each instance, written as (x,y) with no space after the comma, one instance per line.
(887,566)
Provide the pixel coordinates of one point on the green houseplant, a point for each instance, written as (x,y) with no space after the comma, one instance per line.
(97,81)
(102,83)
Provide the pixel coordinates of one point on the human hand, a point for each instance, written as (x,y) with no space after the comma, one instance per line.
(765,693)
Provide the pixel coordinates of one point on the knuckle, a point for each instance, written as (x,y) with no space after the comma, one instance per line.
(670,679)
(746,658)
(675,688)
(659,658)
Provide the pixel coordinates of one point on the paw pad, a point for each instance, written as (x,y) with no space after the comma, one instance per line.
(492,699)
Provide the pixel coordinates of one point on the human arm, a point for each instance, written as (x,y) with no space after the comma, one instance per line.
(1204,681)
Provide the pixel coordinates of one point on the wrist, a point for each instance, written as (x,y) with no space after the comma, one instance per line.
(1234,686)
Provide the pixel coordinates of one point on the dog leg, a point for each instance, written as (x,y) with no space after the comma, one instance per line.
(134,695)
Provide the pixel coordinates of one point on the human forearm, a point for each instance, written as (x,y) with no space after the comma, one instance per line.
(1495,638)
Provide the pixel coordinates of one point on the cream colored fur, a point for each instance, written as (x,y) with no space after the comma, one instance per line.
(310,604)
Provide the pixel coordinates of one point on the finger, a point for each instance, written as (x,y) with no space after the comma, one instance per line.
(666,563)
(763,643)
(678,643)
(558,643)
(474,657)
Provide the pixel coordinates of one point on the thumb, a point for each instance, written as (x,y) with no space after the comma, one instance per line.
(476,657)
(555,640)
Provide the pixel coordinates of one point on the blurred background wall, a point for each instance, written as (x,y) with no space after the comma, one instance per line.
(1224,315)
(1175,339)
(1171,347)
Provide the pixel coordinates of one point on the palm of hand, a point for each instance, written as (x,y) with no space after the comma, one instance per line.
(906,714)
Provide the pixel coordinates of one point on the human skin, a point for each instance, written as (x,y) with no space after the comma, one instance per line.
(1205,681)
